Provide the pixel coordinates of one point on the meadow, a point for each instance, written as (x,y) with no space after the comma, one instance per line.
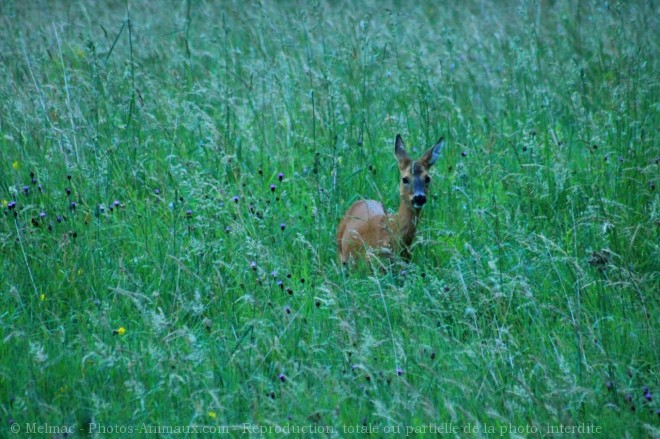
(172,174)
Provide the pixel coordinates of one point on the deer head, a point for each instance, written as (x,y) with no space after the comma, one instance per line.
(415,178)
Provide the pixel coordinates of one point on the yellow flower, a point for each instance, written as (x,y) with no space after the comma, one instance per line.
(42,297)
(213,415)
(121,330)
(15,165)
(5,203)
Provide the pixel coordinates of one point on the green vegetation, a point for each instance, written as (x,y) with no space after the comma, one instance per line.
(172,175)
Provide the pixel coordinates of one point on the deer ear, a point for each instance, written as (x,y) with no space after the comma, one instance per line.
(431,156)
(400,151)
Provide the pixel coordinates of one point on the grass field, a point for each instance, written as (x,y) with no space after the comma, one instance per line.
(172,174)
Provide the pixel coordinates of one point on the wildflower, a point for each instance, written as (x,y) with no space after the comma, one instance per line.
(272,188)
(253,265)
(26,190)
(42,215)
(156,191)
(280,176)
(235,198)
(282,377)
(212,414)
(647,394)
(399,371)
(433,355)
(464,154)
(227,229)
(119,331)
(73,205)
(11,205)
(282,226)
(42,297)
(280,284)
(41,189)
(116,203)
(68,191)
(5,203)
(287,310)
(189,213)
(15,165)
(59,218)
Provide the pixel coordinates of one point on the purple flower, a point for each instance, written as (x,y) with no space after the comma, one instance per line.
(235,198)
(26,190)
(116,203)
(227,229)
(253,265)
(272,188)
(282,226)
(11,205)
(189,213)
(287,310)
(280,176)
(59,218)
(41,189)
(282,377)
(68,191)
(399,371)
(647,394)
(73,205)
(157,191)
(280,284)
(42,215)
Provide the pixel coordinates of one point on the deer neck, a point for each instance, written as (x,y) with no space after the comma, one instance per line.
(406,223)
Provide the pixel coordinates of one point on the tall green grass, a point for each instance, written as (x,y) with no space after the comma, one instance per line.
(157,270)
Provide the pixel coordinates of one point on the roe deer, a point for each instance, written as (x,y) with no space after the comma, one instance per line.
(367,225)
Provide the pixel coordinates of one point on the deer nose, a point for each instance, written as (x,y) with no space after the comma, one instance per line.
(419,200)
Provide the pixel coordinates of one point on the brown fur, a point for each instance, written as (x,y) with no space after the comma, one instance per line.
(366,225)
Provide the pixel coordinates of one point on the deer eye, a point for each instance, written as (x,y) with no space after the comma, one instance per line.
(427,179)
(405,180)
